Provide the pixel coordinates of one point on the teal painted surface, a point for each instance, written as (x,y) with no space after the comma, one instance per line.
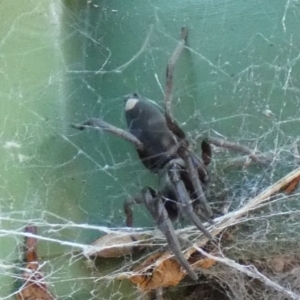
(61,64)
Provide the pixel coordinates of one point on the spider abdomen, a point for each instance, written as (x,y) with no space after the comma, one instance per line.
(148,124)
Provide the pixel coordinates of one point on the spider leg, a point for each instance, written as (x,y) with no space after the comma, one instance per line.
(193,174)
(157,209)
(258,158)
(184,200)
(206,152)
(100,125)
(172,125)
(170,69)
(128,203)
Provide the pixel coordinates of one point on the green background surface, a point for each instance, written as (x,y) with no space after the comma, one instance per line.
(62,62)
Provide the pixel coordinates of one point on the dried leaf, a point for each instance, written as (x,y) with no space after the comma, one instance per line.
(155,272)
(163,270)
(34,287)
(204,263)
(291,186)
(115,245)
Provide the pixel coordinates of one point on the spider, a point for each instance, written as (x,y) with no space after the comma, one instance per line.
(163,148)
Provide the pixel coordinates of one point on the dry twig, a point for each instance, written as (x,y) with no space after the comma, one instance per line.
(34,287)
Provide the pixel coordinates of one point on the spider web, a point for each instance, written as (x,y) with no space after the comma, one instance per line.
(62,63)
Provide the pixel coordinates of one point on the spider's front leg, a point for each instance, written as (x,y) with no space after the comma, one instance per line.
(155,205)
(101,125)
(196,169)
(183,199)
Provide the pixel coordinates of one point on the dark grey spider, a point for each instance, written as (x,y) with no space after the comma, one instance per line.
(163,148)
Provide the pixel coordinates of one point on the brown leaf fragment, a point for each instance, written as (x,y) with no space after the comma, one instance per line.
(115,245)
(158,271)
(34,291)
(291,186)
(204,263)
(34,287)
(197,260)
(163,270)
